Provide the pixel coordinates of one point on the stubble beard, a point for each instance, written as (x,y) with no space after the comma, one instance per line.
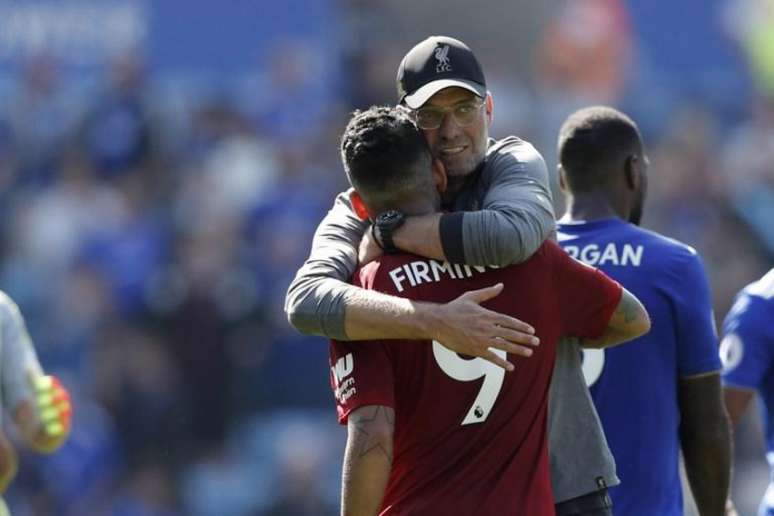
(459,169)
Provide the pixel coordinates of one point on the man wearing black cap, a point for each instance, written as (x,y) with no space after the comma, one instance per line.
(500,213)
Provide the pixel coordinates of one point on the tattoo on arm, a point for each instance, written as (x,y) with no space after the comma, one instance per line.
(367,426)
(629,320)
(367,460)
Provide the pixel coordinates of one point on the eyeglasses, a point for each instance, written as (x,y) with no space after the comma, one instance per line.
(464,113)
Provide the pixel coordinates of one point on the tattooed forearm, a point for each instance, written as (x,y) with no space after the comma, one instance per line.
(372,429)
(367,459)
(629,320)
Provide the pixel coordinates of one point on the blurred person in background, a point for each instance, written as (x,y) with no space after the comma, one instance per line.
(582,57)
(504,446)
(748,175)
(42,121)
(503,212)
(117,132)
(751,23)
(660,393)
(585,51)
(747,351)
(38,403)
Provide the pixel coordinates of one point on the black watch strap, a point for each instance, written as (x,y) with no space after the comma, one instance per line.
(383,227)
(387,242)
(376,236)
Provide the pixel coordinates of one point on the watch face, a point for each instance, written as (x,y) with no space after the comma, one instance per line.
(391,216)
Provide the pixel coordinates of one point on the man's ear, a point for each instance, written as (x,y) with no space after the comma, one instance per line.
(632,172)
(358,205)
(439,175)
(489,107)
(562,179)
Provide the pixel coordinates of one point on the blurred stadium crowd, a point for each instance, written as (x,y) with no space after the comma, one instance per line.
(149,232)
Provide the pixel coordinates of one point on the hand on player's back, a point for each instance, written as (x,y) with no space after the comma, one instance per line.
(466,327)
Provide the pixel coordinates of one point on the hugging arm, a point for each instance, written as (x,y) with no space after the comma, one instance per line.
(320,302)
(501,221)
(629,321)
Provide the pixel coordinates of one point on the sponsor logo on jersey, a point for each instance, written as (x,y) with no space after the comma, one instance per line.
(345,387)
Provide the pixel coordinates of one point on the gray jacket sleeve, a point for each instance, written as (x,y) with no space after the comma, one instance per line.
(508,214)
(18,359)
(315,299)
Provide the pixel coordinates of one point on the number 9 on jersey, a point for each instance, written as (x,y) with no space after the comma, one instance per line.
(464,370)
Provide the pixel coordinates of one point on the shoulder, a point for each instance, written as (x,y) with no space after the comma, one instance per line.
(665,249)
(751,308)
(511,146)
(8,307)
(754,303)
(379,274)
(674,269)
(549,251)
(549,260)
(763,288)
(512,152)
(513,162)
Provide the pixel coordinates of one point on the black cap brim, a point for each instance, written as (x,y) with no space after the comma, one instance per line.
(423,94)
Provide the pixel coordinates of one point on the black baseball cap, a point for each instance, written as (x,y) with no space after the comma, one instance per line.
(437,63)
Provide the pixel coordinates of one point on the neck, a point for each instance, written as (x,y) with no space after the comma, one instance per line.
(592,206)
(421,208)
(413,206)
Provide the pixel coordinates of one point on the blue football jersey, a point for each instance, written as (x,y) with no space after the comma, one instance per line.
(634,386)
(747,351)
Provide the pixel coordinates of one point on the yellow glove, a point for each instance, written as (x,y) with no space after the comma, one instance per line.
(52,402)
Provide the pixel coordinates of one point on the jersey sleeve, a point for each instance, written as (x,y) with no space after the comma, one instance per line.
(361,374)
(697,342)
(315,301)
(513,217)
(587,297)
(19,360)
(747,351)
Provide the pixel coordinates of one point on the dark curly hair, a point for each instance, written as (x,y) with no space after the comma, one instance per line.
(385,156)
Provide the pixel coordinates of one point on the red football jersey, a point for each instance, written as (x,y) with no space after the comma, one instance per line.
(471,438)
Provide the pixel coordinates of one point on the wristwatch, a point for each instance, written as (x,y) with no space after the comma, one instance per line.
(383,227)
